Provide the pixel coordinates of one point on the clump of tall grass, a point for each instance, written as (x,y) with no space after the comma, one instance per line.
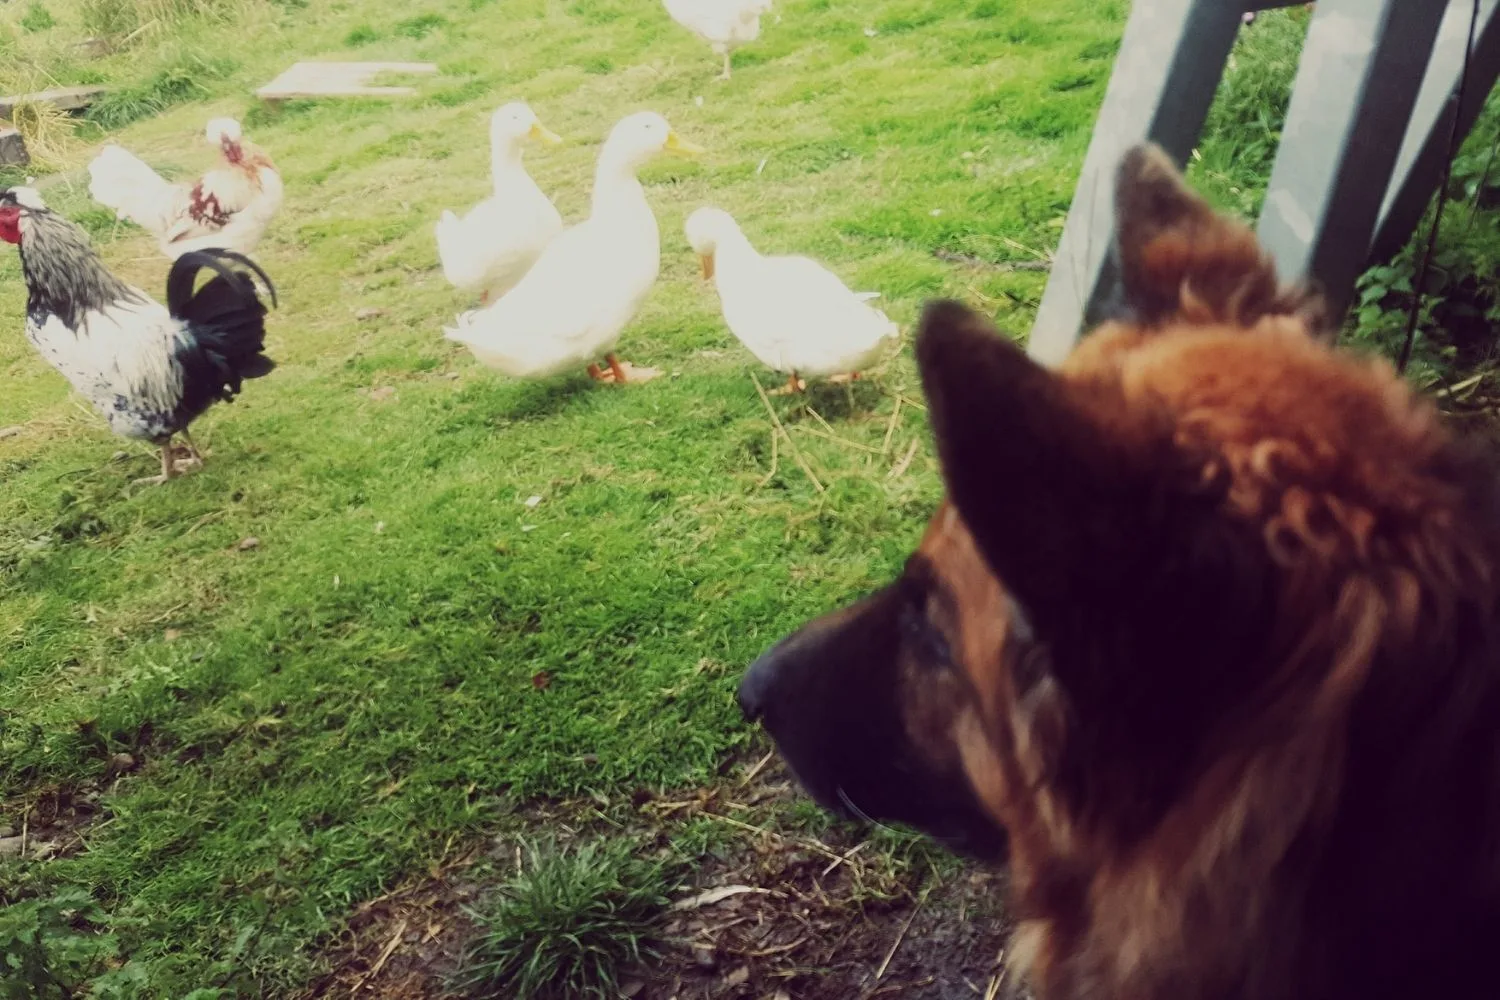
(565,926)
(1243,130)
(127,20)
(1251,103)
(181,79)
(37,17)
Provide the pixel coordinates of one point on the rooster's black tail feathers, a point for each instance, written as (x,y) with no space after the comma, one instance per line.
(180,297)
(225,320)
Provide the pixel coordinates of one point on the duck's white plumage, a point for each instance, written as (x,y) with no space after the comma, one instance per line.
(569,309)
(723,24)
(792,313)
(490,248)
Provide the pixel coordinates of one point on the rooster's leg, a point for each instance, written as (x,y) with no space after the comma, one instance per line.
(725,75)
(193,454)
(166,468)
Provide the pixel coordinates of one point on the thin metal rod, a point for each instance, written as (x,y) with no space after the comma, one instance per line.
(1442,197)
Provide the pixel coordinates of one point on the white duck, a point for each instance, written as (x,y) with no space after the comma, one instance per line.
(494,245)
(723,24)
(794,314)
(569,309)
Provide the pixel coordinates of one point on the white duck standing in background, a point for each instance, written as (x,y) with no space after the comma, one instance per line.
(569,309)
(494,245)
(228,208)
(794,314)
(723,24)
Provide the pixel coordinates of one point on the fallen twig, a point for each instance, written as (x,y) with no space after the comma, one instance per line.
(757,768)
(1040,255)
(993,989)
(835,438)
(891,988)
(723,892)
(385,954)
(791,445)
(890,428)
(811,845)
(834,864)
(819,418)
(900,467)
(901,936)
(1003,267)
(1454,390)
(911,402)
(776,949)
(204,520)
(775,444)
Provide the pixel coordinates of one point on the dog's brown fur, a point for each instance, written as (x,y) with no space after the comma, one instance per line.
(1222,606)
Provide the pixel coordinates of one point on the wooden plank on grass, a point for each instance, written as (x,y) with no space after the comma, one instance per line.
(13,149)
(62,98)
(339,79)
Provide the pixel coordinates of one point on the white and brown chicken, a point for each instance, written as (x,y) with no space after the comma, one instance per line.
(228,208)
(149,369)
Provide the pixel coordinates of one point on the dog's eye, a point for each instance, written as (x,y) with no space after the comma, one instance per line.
(924,638)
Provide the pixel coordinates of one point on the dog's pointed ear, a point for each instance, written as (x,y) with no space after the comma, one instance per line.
(1179,259)
(1042,484)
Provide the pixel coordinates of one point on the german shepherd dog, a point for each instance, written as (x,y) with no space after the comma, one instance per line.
(1205,634)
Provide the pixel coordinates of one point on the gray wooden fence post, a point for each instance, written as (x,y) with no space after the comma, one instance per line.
(1419,167)
(1357,82)
(1171,58)
(1354,123)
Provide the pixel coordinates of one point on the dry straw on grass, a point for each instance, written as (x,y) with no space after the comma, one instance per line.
(49,135)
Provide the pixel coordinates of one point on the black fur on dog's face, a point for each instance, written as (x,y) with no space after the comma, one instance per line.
(859,703)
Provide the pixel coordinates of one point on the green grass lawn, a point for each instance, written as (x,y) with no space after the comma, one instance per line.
(413,655)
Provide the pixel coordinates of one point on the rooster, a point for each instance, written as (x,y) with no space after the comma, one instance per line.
(228,208)
(149,370)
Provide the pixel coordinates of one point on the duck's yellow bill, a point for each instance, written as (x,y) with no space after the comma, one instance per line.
(708,265)
(677,144)
(544,135)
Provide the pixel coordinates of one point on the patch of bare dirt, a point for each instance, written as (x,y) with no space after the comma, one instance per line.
(52,821)
(773,916)
(809,922)
(406,944)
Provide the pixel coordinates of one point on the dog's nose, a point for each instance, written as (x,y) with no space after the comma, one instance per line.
(756,685)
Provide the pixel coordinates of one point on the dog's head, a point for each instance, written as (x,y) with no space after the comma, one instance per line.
(1133,633)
